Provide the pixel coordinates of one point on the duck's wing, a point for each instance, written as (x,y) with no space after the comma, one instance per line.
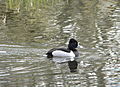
(49,53)
(63,49)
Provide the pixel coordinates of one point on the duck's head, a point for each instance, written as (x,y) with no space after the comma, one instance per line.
(72,44)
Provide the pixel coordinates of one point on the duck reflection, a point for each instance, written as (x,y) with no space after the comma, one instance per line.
(73,65)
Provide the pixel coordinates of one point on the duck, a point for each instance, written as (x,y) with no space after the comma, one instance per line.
(70,51)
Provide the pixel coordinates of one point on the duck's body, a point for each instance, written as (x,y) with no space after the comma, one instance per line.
(64,52)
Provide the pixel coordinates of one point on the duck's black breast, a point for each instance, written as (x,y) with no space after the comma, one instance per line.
(49,53)
(76,53)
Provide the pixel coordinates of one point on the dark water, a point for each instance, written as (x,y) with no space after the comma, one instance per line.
(29,28)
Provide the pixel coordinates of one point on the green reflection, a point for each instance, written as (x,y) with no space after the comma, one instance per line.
(30,20)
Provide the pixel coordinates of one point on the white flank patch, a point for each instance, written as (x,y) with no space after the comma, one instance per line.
(60,53)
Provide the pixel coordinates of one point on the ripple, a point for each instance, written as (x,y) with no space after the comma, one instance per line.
(3,52)
(5,45)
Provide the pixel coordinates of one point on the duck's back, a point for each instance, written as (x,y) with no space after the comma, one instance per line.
(58,52)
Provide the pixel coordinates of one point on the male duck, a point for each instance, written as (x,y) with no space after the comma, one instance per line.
(64,52)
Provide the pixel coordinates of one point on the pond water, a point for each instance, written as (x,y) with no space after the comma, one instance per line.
(29,28)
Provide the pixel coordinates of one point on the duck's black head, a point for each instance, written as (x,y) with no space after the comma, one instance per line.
(72,44)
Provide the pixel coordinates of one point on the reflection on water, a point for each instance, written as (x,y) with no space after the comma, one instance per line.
(73,65)
(28,29)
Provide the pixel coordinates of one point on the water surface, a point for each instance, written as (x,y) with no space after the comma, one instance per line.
(29,28)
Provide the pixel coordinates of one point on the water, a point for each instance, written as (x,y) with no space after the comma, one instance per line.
(28,29)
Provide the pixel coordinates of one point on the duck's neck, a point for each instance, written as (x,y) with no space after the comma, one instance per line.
(73,49)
